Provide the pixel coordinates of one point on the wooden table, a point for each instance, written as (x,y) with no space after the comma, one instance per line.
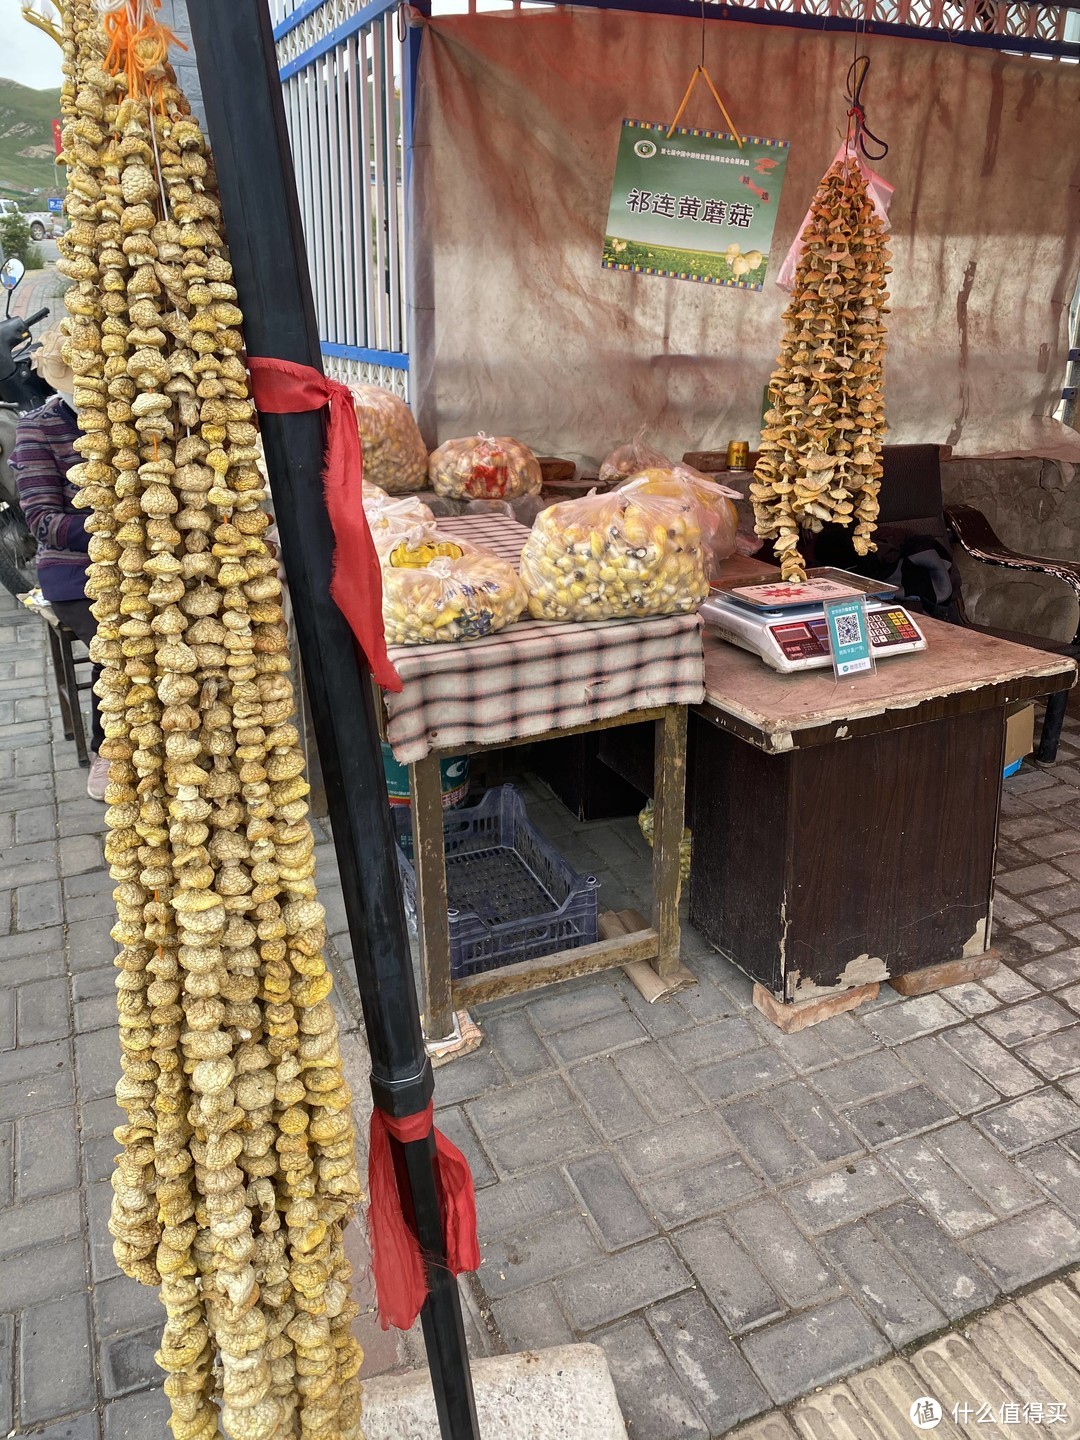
(846,832)
(646,672)
(656,943)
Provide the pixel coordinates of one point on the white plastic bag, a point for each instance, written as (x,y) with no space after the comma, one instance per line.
(713,504)
(631,459)
(484,467)
(617,555)
(389,520)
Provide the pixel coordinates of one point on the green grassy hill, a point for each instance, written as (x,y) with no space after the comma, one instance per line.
(26,143)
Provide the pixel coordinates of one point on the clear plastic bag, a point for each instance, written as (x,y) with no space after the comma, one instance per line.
(372,494)
(632,459)
(389,520)
(440,589)
(613,556)
(484,467)
(715,508)
(395,455)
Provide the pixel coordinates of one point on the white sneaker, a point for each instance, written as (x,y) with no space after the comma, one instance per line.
(98,777)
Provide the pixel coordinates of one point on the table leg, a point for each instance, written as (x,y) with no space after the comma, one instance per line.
(670,801)
(429,857)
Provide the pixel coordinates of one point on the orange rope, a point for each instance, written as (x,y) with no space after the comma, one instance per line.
(138,53)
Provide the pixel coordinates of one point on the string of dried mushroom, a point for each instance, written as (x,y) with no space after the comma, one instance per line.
(819,458)
(237,1173)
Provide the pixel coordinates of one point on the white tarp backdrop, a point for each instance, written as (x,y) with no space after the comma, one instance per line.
(519,331)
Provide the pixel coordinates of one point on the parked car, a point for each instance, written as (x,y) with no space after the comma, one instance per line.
(41,222)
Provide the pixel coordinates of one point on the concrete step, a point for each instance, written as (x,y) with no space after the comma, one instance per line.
(565,1393)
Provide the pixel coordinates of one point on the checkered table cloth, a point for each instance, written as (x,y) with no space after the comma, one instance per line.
(535,676)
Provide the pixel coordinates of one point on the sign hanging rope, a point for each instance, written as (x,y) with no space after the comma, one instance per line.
(700,69)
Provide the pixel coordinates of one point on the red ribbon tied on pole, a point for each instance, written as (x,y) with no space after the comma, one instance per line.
(281,388)
(399,1269)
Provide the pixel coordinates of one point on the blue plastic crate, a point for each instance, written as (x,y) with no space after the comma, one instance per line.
(512,895)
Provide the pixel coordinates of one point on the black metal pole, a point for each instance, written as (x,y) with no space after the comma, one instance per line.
(245,115)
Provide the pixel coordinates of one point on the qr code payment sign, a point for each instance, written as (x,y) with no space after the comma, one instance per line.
(848,630)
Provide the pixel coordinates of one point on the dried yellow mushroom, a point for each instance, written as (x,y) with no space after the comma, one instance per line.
(236,1174)
(819,456)
(613,556)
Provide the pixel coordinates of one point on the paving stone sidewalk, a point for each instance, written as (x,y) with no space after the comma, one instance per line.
(77,1338)
(737,1216)
(740,1216)
(1012,1373)
(39,289)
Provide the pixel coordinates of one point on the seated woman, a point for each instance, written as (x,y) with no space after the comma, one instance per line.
(42,457)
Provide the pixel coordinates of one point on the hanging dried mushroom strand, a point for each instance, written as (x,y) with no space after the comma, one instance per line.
(238,1170)
(152,1183)
(819,457)
(91,247)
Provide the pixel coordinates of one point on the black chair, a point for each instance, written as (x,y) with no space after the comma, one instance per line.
(911,501)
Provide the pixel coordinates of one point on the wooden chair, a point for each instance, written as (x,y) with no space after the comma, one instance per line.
(68,684)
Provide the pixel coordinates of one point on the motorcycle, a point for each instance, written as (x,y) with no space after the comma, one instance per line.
(21,390)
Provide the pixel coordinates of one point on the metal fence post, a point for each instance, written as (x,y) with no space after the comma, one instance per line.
(246,118)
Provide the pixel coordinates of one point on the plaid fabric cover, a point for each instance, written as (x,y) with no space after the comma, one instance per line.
(535,676)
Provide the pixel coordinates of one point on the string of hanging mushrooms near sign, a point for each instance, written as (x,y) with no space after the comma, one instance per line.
(819,459)
(237,1173)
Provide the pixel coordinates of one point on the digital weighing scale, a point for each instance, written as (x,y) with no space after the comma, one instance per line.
(783,622)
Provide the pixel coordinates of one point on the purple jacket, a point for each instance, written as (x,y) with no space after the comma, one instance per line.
(42,457)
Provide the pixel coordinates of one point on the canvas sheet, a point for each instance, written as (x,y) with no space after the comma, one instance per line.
(518,330)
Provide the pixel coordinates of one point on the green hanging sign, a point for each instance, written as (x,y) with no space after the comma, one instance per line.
(695,206)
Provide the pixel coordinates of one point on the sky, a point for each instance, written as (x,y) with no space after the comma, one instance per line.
(26,54)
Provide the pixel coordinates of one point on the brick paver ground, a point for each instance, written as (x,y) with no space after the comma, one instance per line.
(77,1338)
(1012,1373)
(739,1216)
(41,288)
(736,1215)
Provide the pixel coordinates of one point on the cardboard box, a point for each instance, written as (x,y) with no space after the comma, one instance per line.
(1019,737)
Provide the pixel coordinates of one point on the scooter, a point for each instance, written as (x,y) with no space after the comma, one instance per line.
(21,390)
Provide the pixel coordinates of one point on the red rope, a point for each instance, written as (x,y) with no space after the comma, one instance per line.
(401,1283)
(282,388)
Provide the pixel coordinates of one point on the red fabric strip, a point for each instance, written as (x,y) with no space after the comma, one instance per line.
(401,1284)
(281,388)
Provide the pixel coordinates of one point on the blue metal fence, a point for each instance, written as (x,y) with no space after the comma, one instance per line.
(342,67)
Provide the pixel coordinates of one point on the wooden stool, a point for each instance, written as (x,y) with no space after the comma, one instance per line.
(68,685)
